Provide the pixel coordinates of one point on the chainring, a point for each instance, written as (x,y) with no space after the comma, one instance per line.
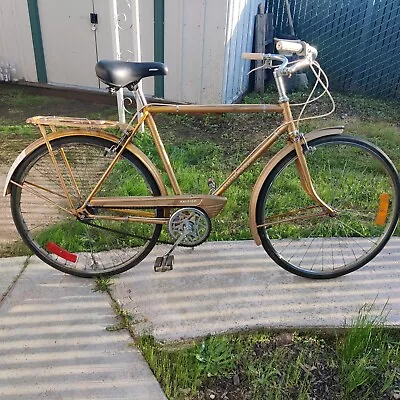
(194,220)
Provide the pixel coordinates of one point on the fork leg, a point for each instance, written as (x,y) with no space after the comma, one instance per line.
(305,178)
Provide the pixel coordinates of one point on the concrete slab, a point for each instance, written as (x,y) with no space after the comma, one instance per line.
(10,268)
(53,343)
(225,286)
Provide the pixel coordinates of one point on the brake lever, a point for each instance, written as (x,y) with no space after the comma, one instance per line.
(266,65)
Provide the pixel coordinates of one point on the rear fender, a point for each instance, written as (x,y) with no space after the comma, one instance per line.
(104,135)
(270,166)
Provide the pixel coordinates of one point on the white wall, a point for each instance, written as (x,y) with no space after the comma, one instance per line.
(194,49)
(238,40)
(204,40)
(16,39)
(203,43)
(72,48)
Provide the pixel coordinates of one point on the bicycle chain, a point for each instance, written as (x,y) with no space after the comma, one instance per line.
(131,235)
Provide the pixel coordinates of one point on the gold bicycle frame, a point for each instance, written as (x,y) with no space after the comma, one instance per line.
(213,203)
(287,126)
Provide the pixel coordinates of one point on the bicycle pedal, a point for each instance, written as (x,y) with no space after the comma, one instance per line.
(164,263)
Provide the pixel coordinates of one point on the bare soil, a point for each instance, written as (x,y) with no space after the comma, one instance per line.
(323,378)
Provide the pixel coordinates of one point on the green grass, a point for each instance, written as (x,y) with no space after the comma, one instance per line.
(369,358)
(17,98)
(13,130)
(361,362)
(181,372)
(195,162)
(213,145)
(103,284)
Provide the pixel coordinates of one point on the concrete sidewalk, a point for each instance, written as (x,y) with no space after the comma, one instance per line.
(53,341)
(229,286)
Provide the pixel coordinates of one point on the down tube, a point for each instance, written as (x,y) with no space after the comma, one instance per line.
(251,159)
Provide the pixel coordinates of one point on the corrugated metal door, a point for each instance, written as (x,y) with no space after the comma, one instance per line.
(69,42)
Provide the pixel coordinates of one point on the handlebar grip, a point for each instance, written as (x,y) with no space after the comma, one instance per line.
(292,46)
(253,56)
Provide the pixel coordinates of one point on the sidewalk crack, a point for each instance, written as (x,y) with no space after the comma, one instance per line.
(15,280)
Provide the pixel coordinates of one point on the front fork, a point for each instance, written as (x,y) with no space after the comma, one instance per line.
(301,163)
(305,178)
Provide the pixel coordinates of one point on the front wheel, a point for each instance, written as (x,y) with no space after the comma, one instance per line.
(105,244)
(352,176)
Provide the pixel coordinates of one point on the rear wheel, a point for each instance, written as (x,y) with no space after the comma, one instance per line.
(352,176)
(82,247)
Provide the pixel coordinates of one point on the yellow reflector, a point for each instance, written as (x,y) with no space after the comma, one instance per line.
(383,209)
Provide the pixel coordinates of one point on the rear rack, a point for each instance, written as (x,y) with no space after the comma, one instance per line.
(53,122)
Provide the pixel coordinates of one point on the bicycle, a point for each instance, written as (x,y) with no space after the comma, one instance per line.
(90,203)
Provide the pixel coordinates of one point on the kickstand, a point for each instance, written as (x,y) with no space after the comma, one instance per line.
(166,262)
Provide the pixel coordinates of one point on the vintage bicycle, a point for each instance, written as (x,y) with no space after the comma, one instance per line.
(90,203)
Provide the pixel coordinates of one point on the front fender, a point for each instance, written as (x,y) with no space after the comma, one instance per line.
(337,130)
(104,135)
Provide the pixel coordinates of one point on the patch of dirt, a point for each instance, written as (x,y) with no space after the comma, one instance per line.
(314,368)
(234,133)
(18,104)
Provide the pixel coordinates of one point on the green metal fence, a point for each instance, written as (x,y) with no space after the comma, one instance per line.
(358,40)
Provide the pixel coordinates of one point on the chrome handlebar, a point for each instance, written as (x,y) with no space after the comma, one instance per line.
(287,47)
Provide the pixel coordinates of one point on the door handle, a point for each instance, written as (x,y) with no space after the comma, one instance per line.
(94,20)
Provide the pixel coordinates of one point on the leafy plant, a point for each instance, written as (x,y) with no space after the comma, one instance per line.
(103,284)
(216,357)
(125,317)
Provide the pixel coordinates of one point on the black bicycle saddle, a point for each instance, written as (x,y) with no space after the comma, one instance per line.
(118,74)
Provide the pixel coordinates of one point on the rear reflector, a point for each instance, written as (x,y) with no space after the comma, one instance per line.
(58,251)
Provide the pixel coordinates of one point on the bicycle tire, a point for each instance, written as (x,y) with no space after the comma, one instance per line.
(89,248)
(354,177)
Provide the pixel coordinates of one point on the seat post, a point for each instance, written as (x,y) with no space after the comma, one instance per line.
(140,103)
(140,97)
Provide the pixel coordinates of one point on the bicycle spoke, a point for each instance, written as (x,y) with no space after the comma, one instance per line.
(349,176)
(62,240)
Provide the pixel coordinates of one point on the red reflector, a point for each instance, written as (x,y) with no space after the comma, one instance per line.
(58,251)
